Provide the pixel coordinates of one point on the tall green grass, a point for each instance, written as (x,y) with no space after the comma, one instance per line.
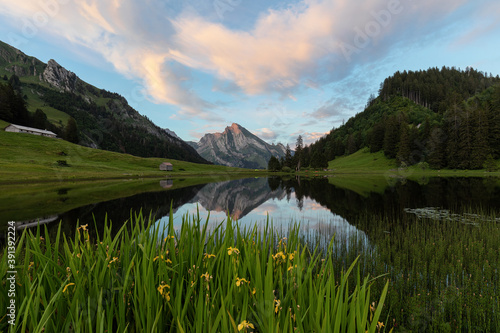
(189,279)
(443,274)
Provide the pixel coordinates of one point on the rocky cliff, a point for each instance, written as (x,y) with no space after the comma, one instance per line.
(237,147)
(59,77)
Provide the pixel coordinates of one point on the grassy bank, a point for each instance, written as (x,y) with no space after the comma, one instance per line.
(26,157)
(364,162)
(193,279)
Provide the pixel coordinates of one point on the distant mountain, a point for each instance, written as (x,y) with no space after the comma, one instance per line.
(103,119)
(237,147)
(172,133)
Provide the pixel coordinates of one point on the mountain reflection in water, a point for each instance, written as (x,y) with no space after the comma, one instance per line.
(317,203)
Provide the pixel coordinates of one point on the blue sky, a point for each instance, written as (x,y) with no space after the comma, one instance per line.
(278,68)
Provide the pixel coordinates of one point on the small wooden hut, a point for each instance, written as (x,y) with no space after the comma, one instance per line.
(166,166)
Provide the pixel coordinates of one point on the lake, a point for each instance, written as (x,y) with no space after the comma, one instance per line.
(317,202)
(435,240)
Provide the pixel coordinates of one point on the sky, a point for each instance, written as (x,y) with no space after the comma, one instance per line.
(278,68)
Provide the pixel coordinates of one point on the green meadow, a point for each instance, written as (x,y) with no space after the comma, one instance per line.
(30,158)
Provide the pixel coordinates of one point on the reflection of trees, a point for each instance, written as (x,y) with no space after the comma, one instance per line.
(118,211)
(448,193)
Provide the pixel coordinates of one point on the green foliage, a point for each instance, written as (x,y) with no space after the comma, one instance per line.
(286,169)
(436,88)
(71,131)
(62,163)
(490,164)
(192,278)
(273,164)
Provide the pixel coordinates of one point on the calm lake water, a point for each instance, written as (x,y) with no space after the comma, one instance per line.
(333,203)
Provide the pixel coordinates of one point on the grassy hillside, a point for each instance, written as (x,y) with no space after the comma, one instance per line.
(26,157)
(362,161)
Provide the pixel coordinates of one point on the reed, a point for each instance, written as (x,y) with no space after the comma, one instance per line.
(442,270)
(187,279)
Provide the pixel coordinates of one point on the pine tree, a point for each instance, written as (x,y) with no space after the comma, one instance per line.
(351,144)
(494,123)
(452,122)
(436,148)
(403,155)
(39,119)
(391,138)
(298,157)
(480,148)
(377,137)
(288,157)
(71,131)
(273,164)
(465,139)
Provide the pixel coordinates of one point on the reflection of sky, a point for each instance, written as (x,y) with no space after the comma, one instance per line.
(313,218)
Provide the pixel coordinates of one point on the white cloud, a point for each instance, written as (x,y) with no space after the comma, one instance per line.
(286,50)
(266,134)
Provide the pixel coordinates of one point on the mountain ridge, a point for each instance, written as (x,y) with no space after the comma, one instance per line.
(104,119)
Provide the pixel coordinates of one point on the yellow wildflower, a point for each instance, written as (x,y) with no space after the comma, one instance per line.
(161,289)
(239,281)
(206,276)
(66,286)
(380,325)
(278,303)
(231,250)
(291,267)
(168,261)
(279,256)
(83,227)
(245,324)
(168,237)
(208,256)
(31,265)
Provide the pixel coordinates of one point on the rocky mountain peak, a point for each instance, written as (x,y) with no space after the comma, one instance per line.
(59,77)
(235,128)
(237,147)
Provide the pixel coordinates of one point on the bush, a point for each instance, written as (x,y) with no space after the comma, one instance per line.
(286,169)
(490,164)
(62,163)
